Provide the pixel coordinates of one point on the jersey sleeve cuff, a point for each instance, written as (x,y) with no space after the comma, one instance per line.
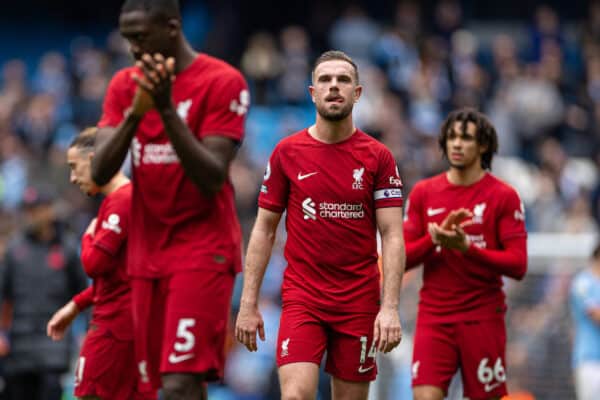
(271,207)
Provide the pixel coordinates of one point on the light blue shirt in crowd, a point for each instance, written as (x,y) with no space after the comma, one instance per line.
(585,294)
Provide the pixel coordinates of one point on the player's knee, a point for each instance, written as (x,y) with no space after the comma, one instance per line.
(296,393)
(182,386)
(427,393)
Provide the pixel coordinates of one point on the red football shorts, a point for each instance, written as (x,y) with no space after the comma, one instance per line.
(180,324)
(476,347)
(106,367)
(305,333)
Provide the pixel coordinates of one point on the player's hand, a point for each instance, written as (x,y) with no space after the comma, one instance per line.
(387,332)
(159,74)
(91,227)
(456,217)
(248,323)
(454,238)
(61,320)
(459,217)
(142,101)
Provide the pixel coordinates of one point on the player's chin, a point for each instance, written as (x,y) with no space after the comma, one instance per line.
(335,115)
(457,165)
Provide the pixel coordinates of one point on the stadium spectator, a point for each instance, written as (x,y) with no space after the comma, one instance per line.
(585,310)
(40,272)
(182,113)
(338,186)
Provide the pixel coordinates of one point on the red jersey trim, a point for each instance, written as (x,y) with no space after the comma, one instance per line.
(271,206)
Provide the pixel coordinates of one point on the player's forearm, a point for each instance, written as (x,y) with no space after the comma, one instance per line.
(393,255)
(257,259)
(111,149)
(417,250)
(200,165)
(510,261)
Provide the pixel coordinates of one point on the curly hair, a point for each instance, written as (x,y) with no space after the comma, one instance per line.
(486,133)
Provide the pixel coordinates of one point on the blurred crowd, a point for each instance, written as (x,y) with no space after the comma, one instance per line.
(538,81)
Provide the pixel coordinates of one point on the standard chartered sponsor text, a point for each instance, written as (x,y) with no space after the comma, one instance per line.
(159,154)
(341,210)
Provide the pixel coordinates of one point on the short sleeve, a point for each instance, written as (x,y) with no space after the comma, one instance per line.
(111,232)
(275,187)
(116,101)
(511,221)
(388,185)
(413,214)
(226,108)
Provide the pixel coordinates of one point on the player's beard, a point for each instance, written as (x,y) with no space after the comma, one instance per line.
(460,167)
(335,115)
(466,164)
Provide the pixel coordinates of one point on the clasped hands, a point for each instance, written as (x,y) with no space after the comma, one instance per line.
(154,86)
(450,234)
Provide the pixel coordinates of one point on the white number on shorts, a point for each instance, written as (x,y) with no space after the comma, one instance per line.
(486,374)
(184,333)
(363,350)
(79,373)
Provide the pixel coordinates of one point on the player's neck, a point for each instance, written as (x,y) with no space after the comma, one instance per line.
(465,177)
(114,184)
(332,132)
(185,56)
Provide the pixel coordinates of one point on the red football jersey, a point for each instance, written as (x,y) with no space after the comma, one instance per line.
(173,225)
(112,294)
(330,193)
(456,288)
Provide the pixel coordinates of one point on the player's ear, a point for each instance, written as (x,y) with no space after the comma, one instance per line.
(483,148)
(357,93)
(174,27)
(311,90)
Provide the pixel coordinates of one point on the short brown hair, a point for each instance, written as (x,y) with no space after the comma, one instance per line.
(85,140)
(331,55)
(485,135)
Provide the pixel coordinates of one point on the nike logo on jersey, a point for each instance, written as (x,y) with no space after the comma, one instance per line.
(489,388)
(176,359)
(301,177)
(362,370)
(435,211)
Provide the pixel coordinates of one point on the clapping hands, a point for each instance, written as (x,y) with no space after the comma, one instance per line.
(450,234)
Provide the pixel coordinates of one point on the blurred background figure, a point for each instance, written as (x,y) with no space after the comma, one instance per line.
(39,273)
(585,307)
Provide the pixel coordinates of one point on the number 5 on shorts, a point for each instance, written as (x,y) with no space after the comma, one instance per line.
(183,332)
